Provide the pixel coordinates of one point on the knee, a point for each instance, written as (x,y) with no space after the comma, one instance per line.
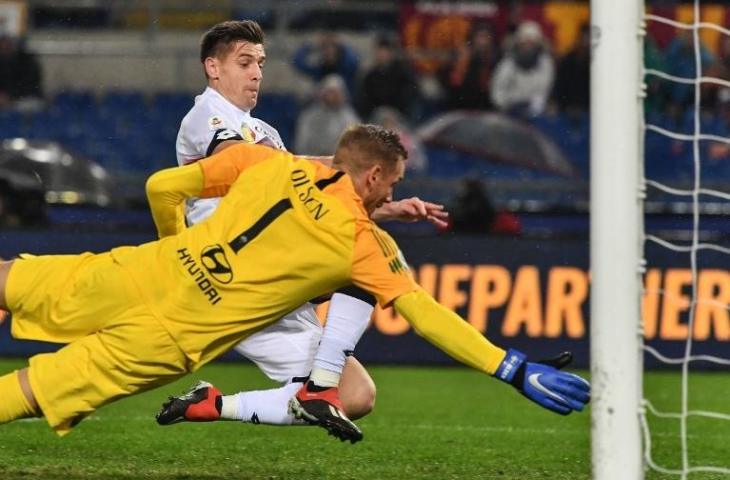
(361,401)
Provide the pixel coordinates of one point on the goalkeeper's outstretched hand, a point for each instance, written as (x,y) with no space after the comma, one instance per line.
(544,383)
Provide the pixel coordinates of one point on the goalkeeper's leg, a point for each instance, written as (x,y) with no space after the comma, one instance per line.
(18,399)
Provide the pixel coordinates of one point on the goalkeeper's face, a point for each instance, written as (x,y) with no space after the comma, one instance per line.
(378,184)
(237,74)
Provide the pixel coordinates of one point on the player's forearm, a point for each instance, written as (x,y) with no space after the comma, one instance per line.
(166,192)
(384,213)
(449,332)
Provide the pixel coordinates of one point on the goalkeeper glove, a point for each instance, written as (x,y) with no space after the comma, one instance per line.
(544,383)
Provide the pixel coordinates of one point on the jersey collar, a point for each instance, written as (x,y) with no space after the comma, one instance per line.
(213,92)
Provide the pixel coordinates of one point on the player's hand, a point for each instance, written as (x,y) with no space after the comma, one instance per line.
(412,210)
(544,383)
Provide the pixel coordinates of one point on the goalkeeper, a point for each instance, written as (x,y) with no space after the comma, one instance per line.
(286,230)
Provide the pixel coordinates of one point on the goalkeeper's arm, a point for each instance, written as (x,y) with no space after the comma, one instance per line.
(166,192)
(210,177)
(542,383)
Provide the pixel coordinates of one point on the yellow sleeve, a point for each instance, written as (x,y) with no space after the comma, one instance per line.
(378,265)
(222,169)
(166,192)
(210,177)
(449,332)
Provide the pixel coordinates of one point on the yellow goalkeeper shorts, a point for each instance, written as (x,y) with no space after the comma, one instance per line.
(117,347)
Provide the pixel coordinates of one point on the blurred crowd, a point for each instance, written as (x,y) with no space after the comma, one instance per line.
(514,72)
(517,74)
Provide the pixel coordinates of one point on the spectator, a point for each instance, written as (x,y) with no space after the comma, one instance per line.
(320,125)
(714,96)
(473,212)
(389,118)
(680,58)
(389,82)
(719,151)
(328,56)
(572,81)
(524,77)
(468,78)
(655,99)
(20,74)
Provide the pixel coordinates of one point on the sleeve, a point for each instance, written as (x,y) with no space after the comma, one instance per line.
(379,267)
(547,77)
(202,130)
(500,84)
(449,332)
(219,136)
(223,168)
(211,177)
(166,192)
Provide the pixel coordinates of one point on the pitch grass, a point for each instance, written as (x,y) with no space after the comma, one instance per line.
(429,423)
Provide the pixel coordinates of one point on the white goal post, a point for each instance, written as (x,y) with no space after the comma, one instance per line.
(616,243)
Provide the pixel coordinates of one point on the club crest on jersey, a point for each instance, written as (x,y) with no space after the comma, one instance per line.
(215,122)
(213,258)
(248,135)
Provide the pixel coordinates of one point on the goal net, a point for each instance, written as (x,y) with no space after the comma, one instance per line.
(625,422)
(695,193)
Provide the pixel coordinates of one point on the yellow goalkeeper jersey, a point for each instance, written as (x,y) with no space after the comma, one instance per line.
(287,230)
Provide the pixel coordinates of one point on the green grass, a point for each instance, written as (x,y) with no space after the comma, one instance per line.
(443,423)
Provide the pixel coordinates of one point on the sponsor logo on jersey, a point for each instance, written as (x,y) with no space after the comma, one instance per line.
(213,258)
(215,122)
(268,132)
(198,276)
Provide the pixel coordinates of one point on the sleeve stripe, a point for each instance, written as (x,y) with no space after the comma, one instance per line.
(380,244)
(387,250)
(325,182)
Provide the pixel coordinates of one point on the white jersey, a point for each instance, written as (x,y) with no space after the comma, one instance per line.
(213,120)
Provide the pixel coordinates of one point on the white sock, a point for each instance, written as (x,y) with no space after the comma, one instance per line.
(270,407)
(347,319)
(229,408)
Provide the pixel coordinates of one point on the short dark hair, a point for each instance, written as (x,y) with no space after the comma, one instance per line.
(361,146)
(221,36)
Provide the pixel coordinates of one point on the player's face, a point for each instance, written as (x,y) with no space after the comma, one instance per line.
(380,183)
(239,74)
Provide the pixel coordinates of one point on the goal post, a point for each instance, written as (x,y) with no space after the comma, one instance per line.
(616,241)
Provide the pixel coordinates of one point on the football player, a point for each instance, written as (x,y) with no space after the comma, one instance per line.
(233,58)
(286,230)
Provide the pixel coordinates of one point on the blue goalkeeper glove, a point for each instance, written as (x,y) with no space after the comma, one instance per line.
(544,383)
